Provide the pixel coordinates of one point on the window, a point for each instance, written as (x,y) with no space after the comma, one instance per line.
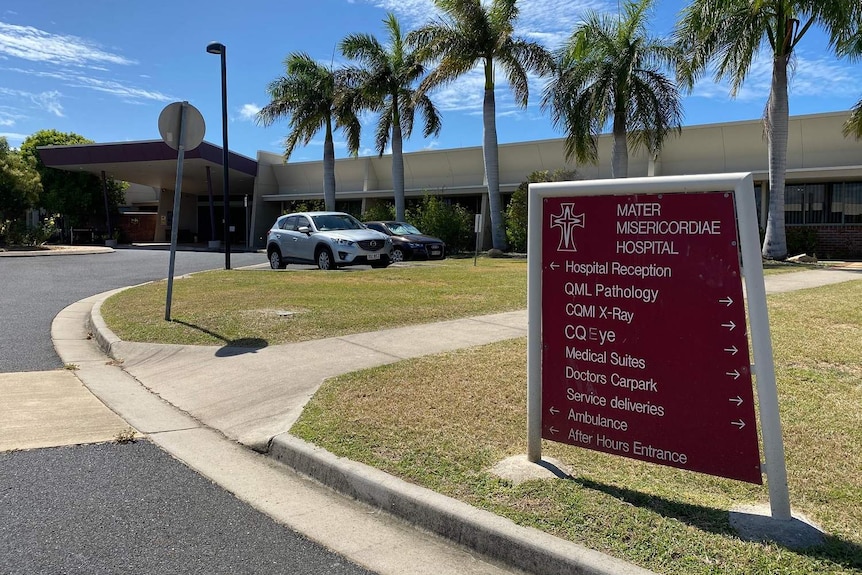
(833,203)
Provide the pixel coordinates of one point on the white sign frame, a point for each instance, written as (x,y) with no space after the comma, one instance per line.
(763,368)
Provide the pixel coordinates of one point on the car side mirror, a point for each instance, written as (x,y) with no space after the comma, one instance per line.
(304,230)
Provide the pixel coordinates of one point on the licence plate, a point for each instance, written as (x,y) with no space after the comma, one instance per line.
(373,256)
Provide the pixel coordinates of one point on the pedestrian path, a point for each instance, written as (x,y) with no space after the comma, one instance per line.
(52,409)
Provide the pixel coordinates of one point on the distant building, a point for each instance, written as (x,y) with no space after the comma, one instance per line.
(823,188)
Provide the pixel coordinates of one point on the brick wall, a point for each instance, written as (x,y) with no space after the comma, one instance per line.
(137,227)
(835,242)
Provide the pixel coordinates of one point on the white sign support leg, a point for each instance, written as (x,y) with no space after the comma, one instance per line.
(764,367)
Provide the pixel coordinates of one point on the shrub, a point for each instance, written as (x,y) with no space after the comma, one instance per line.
(379,212)
(451,223)
(801,241)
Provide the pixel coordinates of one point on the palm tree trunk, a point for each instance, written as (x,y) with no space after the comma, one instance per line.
(620,157)
(492,170)
(777,120)
(329,168)
(398,169)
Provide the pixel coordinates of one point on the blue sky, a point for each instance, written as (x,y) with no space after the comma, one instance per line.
(106,68)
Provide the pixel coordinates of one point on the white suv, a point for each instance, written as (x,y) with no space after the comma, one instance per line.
(328,239)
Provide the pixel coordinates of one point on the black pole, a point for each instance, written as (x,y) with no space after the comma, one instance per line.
(219,48)
(107,206)
(226,153)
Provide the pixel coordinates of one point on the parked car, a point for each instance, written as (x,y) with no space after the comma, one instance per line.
(409,243)
(328,239)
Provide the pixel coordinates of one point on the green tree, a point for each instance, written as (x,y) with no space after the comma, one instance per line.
(516,212)
(310,96)
(19,185)
(471,33)
(730,33)
(78,196)
(384,83)
(610,69)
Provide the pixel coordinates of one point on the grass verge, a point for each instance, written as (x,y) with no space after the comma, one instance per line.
(261,307)
(443,421)
(255,308)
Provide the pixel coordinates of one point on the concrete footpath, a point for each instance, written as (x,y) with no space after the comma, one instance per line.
(220,409)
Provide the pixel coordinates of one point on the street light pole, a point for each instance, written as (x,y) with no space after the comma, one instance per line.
(219,48)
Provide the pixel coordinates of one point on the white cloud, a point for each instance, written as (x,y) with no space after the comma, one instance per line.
(806,76)
(249,111)
(75,79)
(49,101)
(29,43)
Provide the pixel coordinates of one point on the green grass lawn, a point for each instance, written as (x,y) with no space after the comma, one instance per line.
(442,421)
(243,306)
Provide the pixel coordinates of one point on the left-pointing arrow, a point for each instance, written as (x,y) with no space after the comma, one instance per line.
(553,265)
(553,430)
(554,410)
(740,424)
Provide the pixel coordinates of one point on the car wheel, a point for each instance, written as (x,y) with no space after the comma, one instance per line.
(275,261)
(397,255)
(325,260)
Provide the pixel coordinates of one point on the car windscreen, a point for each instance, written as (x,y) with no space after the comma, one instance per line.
(336,222)
(403,229)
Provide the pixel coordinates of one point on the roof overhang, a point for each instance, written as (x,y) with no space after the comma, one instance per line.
(154,163)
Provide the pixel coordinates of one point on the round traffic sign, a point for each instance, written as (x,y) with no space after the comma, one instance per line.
(169,126)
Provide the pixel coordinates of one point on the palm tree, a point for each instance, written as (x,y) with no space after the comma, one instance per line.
(610,68)
(385,84)
(853,48)
(471,32)
(309,95)
(731,33)
(853,126)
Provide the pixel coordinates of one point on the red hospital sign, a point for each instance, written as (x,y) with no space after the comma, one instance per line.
(644,347)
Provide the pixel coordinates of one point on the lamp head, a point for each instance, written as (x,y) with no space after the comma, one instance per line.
(215,48)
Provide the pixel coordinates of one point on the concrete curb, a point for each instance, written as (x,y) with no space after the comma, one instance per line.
(63,252)
(491,535)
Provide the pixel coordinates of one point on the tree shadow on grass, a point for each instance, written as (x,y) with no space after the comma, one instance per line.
(232,347)
(835,549)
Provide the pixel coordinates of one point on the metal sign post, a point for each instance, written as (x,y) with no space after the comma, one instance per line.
(477,227)
(182,127)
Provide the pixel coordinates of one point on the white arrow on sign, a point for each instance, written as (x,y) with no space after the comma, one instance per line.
(731,326)
(554,410)
(553,430)
(553,265)
(728,301)
(732,350)
(740,424)
(737,400)
(734,374)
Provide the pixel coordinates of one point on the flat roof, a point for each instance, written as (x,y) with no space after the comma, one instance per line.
(154,163)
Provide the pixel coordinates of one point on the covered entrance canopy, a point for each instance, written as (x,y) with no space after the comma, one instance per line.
(154,164)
